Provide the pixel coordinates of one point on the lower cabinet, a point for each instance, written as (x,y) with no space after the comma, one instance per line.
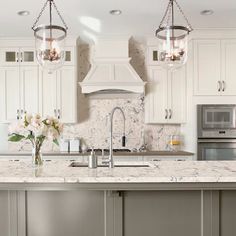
(70,213)
(118,213)
(162,213)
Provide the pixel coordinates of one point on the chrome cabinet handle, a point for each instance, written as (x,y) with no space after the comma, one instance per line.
(17,114)
(170,114)
(17,57)
(21,113)
(55,113)
(21,57)
(219,86)
(59,114)
(223,84)
(166,116)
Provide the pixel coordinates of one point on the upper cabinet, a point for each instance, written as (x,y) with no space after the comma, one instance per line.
(165,100)
(25,87)
(214,67)
(13,56)
(59,94)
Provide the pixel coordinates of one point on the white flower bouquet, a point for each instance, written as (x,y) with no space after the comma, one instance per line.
(36,129)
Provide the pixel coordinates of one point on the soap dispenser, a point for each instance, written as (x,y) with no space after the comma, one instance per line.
(92,160)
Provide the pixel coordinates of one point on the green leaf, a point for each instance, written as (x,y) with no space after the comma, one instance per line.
(30,137)
(16,138)
(56,142)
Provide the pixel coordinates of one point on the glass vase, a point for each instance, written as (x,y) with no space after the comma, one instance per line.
(37,159)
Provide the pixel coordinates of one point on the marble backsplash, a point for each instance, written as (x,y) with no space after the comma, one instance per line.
(93,124)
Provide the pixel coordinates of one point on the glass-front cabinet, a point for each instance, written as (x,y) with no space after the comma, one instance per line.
(26,56)
(13,56)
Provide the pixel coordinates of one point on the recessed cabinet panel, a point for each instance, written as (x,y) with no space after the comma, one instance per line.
(156,97)
(162,213)
(12,92)
(228,67)
(67,94)
(49,93)
(30,91)
(177,96)
(207,67)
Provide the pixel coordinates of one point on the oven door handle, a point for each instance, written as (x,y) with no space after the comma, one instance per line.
(216,140)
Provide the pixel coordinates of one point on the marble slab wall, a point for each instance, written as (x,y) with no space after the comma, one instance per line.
(93,124)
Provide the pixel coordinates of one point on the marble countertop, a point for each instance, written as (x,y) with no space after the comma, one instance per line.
(59,172)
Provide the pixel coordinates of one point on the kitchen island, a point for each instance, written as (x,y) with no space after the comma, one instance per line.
(162,198)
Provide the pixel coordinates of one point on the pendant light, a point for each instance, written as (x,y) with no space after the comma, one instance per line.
(50,40)
(172,38)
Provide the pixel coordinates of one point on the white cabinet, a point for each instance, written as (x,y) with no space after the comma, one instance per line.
(19,92)
(24,87)
(214,67)
(15,55)
(29,76)
(165,96)
(10,93)
(207,63)
(228,74)
(156,103)
(67,94)
(59,96)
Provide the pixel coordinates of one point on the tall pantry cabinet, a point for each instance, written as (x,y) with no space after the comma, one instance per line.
(25,87)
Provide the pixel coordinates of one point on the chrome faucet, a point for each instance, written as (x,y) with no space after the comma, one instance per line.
(110,160)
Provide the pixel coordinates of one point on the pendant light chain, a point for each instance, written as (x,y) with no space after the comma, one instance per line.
(43,9)
(59,14)
(40,14)
(167,14)
(185,17)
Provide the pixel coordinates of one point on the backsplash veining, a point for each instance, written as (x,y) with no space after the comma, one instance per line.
(93,124)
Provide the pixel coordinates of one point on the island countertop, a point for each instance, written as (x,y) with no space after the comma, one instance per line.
(166,172)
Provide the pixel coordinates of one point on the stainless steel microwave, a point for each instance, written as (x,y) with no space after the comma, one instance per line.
(216,121)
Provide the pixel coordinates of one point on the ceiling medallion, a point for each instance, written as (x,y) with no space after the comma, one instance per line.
(172,38)
(50,40)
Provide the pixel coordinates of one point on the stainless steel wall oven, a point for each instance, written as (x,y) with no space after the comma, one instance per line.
(216,132)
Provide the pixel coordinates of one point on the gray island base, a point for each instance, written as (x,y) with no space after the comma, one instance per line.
(163,199)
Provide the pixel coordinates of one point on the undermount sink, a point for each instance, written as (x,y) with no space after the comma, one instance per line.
(79,164)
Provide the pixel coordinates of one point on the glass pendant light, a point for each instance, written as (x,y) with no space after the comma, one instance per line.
(172,38)
(50,40)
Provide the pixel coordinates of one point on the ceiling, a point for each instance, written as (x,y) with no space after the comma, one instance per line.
(91,18)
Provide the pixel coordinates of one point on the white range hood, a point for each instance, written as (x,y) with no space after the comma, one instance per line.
(111,71)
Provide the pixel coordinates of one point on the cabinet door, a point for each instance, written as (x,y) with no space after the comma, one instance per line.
(67,94)
(207,67)
(10,93)
(30,89)
(228,67)
(177,96)
(156,96)
(9,56)
(48,93)
(69,56)
(27,56)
